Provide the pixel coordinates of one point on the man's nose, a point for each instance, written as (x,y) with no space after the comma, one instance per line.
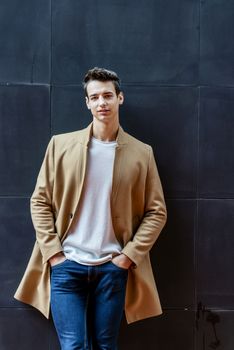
(102,101)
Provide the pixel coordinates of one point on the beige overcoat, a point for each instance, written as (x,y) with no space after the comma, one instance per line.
(137,207)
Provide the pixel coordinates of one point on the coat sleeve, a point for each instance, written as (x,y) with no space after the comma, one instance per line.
(42,210)
(154,218)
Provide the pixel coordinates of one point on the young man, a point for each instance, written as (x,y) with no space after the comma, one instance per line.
(97,209)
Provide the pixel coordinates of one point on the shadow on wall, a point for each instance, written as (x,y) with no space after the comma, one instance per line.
(212,319)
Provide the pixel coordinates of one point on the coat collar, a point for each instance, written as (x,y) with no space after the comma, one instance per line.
(86,134)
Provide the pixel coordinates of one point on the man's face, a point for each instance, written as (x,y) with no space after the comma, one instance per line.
(103,101)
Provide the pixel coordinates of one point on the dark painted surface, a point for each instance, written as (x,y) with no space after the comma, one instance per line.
(23,329)
(173,256)
(147,41)
(216,172)
(25,41)
(173,330)
(217,50)
(215,257)
(24,133)
(17,239)
(69,111)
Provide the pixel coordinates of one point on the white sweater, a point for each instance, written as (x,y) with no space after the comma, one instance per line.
(92,240)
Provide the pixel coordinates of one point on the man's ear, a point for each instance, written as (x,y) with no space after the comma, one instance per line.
(121,98)
(87,102)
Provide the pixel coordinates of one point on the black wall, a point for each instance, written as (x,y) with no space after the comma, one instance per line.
(176,60)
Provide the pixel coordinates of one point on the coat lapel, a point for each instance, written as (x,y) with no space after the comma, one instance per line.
(119,162)
(81,164)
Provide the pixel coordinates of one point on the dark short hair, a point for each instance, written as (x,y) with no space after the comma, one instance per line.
(101,74)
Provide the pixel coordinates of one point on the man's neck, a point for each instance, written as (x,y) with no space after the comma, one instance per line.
(105,132)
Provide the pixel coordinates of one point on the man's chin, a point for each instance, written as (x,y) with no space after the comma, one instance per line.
(103,118)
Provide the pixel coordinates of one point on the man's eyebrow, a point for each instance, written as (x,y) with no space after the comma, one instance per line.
(93,95)
(103,93)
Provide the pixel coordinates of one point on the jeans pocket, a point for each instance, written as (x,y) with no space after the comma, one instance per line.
(59,264)
(118,267)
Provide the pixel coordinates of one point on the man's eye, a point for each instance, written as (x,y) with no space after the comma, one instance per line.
(93,98)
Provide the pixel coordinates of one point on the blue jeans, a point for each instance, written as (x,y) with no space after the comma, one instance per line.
(87,304)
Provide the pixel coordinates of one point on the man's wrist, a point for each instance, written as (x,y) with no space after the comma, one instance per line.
(123,261)
(57,258)
(57,255)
